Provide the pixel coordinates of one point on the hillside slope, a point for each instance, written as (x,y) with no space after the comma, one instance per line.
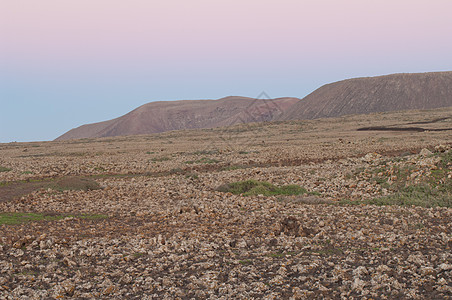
(376,94)
(164,116)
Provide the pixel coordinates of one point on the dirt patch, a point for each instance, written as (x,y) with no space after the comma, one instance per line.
(75,184)
(13,190)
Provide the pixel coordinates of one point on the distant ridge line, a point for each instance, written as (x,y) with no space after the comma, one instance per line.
(395,92)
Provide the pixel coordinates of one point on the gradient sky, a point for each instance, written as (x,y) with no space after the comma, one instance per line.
(64,63)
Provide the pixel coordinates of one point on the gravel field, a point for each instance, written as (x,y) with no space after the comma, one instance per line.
(142,217)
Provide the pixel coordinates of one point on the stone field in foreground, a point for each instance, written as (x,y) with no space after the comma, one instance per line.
(142,217)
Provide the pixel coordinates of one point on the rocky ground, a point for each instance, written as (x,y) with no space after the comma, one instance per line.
(141,217)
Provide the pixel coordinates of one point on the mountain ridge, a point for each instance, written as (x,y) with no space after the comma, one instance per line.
(363,95)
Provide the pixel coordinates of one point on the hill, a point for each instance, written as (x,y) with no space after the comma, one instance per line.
(164,116)
(376,94)
(395,92)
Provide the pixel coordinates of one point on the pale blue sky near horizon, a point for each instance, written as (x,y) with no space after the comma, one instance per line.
(68,63)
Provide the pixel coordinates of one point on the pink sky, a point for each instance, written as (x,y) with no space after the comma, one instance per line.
(135,32)
(121,54)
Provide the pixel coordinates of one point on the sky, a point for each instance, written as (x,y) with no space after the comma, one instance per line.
(65,63)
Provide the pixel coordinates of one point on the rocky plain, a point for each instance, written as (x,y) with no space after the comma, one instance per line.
(144,217)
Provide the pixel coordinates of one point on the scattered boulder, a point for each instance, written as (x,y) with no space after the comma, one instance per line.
(370,157)
(442,148)
(292,226)
(425,152)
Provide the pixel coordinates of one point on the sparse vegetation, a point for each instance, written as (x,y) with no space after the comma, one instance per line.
(420,195)
(446,160)
(254,187)
(160,159)
(246,262)
(176,171)
(209,161)
(192,176)
(3,169)
(19,218)
(433,190)
(138,254)
(410,184)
